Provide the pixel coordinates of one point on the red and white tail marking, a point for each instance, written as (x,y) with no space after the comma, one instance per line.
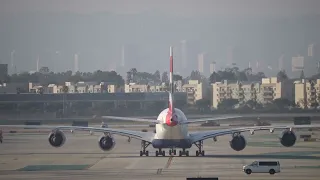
(171,119)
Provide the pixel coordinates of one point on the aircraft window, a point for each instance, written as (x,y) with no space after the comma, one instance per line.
(268,163)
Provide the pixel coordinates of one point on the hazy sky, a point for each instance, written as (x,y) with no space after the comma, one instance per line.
(215,25)
(178,7)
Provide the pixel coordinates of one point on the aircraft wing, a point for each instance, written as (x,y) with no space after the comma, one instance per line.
(210,119)
(130,119)
(145,136)
(202,135)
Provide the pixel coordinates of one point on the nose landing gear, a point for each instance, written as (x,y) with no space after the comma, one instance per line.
(172,152)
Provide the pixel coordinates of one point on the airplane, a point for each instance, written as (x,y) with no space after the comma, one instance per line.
(171,131)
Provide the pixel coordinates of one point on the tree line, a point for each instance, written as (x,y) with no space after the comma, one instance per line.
(45,76)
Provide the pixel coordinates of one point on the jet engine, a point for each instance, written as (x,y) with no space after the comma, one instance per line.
(238,142)
(57,138)
(288,138)
(106,143)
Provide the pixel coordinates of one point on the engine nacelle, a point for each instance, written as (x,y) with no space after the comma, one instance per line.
(57,138)
(106,143)
(288,138)
(238,143)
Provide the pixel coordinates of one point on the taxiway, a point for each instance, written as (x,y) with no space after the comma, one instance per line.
(28,155)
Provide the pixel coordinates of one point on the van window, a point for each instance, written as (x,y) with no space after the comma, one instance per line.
(270,163)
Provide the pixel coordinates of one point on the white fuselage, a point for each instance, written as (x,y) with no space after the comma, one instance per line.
(171,136)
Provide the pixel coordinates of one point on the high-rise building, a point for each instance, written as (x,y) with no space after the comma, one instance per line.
(297,63)
(76,63)
(311,50)
(201,62)
(212,67)
(313,59)
(183,54)
(280,61)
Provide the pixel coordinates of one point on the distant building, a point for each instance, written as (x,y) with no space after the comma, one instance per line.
(272,88)
(3,72)
(195,90)
(76,64)
(15,88)
(306,93)
(242,91)
(201,63)
(297,63)
(212,67)
(262,92)
(312,64)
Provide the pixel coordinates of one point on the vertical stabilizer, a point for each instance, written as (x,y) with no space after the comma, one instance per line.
(171,107)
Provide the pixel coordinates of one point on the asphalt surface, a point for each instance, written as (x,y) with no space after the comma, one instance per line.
(29,156)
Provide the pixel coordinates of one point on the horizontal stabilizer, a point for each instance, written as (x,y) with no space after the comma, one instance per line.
(210,119)
(130,119)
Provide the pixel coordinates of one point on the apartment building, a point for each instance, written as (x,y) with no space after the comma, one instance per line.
(272,88)
(242,91)
(133,87)
(307,93)
(195,90)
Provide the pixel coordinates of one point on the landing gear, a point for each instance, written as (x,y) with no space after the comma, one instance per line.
(172,152)
(144,146)
(160,152)
(200,146)
(183,152)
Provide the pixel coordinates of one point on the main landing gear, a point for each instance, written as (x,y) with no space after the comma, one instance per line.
(144,146)
(183,152)
(160,152)
(200,146)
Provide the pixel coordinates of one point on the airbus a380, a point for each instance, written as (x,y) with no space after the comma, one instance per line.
(171,131)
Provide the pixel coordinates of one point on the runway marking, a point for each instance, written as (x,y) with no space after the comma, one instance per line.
(101,158)
(53,167)
(159,171)
(169,162)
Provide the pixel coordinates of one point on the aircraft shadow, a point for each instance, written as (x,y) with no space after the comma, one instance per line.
(63,153)
(232,156)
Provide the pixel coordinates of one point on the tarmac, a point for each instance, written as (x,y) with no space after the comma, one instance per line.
(28,155)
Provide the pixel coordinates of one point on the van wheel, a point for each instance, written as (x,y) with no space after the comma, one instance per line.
(271,171)
(248,171)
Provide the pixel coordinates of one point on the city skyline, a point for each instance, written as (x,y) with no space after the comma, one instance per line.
(99,36)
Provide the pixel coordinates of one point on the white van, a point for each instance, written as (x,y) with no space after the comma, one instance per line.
(262,167)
